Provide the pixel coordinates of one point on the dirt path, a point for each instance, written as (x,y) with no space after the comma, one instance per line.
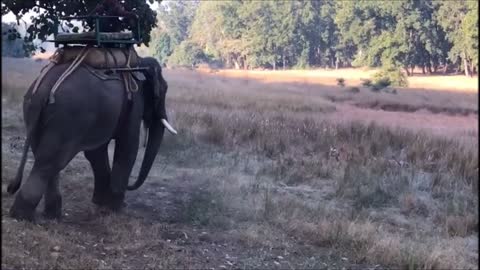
(171,222)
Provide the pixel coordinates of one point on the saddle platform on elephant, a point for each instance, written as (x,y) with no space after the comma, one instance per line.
(95,57)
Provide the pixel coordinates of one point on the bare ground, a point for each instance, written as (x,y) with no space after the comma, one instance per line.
(271,175)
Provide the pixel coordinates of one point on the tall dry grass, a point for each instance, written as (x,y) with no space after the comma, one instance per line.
(403,192)
(385,184)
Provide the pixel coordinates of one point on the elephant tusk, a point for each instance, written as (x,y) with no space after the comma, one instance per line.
(145,129)
(169,127)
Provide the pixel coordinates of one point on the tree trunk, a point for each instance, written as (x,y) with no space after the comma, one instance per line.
(283,61)
(423,70)
(429,67)
(412,67)
(336,63)
(228,62)
(467,69)
(408,72)
(445,68)
(237,66)
(274,64)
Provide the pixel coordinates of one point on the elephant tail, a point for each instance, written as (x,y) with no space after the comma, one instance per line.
(33,105)
(14,185)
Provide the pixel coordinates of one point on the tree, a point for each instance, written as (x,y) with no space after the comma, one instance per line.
(186,54)
(459,20)
(402,34)
(50,11)
(174,21)
(219,29)
(162,46)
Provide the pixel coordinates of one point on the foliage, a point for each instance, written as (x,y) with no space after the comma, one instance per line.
(396,34)
(50,11)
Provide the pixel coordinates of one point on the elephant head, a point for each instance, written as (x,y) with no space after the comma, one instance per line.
(154,115)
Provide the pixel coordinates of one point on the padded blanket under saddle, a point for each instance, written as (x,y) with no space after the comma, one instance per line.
(99,57)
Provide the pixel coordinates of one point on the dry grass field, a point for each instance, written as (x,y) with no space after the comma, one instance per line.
(272,172)
(352,76)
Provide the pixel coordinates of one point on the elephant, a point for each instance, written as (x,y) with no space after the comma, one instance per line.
(87,114)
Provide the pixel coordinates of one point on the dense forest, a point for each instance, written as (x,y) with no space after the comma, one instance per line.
(432,36)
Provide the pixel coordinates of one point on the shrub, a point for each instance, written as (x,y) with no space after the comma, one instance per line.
(354,89)
(382,83)
(375,87)
(341,82)
(390,76)
(366,82)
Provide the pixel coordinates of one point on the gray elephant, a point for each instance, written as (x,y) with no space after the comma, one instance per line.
(87,114)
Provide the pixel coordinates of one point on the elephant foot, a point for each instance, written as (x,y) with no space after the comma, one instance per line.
(53,208)
(22,209)
(117,202)
(13,186)
(99,200)
(110,200)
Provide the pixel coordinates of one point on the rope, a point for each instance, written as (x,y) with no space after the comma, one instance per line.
(130,84)
(76,62)
(53,61)
(134,86)
(44,72)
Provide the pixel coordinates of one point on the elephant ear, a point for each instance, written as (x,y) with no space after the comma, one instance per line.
(156,83)
(159,91)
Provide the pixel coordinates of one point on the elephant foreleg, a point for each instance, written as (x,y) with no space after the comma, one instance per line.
(53,199)
(100,164)
(126,148)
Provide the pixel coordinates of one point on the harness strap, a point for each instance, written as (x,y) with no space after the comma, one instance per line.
(44,72)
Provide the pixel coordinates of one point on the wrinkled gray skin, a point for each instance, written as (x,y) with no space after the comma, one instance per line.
(87,114)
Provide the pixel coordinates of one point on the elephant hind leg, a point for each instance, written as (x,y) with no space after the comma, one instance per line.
(53,200)
(31,192)
(100,164)
(51,157)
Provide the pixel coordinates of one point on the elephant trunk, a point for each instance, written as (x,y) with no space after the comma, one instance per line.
(155,136)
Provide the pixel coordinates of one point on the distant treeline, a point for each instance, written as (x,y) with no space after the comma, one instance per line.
(435,36)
